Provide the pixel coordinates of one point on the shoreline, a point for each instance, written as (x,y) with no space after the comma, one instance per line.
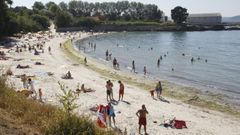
(189,95)
(147,27)
(94,75)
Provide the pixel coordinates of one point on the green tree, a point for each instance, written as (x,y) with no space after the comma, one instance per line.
(63,6)
(41,20)
(49,4)
(4,19)
(179,15)
(63,19)
(38,5)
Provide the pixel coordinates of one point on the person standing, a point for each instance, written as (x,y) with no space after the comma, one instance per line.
(158,89)
(24,80)
(121,90)
(144,70)
(158,63)
(85,60)
(141,114)
(94,47)
(111,114)
(40,94)
(49,49)
(133,66)
(114,63)
(32,89)
(108,87)
(111,89)
(107,53)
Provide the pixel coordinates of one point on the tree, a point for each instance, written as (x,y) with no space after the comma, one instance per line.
(179,15)
(49,4)
(63,19)
(63,6)
(41,20)
(4,19)
(38,5)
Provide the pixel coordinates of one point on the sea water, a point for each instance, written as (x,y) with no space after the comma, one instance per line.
(216,54)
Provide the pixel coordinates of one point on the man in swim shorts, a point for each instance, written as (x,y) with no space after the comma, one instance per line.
(142,118)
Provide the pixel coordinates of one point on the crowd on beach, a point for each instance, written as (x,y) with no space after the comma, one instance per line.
(38,46)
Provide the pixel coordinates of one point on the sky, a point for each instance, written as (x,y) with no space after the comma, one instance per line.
(227,8)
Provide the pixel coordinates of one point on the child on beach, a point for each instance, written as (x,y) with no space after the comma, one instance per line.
(152,93)
(40,94)
(24,80)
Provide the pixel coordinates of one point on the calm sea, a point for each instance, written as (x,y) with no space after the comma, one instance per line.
(216,54)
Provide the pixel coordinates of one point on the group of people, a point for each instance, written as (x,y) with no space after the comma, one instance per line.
(140,113)
(106,115)
(91,45)
(108,56)
(109,91)
(29,89)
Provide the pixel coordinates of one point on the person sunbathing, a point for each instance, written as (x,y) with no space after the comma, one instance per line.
(67,76)
(38,63)
(20,66)
(86,90)
(25,92)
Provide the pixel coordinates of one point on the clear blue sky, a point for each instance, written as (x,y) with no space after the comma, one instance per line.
(226,7)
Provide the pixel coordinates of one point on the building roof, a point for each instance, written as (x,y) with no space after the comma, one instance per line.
(205,15)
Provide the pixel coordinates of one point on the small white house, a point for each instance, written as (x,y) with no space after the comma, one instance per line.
(205,19)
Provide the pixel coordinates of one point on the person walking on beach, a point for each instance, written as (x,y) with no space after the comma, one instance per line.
(158,89)
(121,90)
(111,114)
(133,66)
(142,119)
(144,70)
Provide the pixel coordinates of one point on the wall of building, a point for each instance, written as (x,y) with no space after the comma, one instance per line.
(205,20)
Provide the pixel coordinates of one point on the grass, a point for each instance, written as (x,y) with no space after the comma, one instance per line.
(44,118)
(187,95)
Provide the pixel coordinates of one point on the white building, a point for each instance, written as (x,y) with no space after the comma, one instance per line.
(205,19)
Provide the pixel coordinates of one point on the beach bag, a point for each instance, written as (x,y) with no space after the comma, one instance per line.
(179,124)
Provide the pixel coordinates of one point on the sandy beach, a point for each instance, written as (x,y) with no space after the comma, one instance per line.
(199,121)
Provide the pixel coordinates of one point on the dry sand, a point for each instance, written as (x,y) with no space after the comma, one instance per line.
(199,121)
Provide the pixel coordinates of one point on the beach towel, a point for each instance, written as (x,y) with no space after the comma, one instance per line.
(179,124)
(102,120)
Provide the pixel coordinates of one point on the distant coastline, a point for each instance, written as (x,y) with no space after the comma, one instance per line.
(145,27)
